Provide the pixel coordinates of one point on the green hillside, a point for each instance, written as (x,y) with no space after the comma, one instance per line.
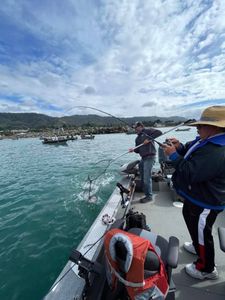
(9,121)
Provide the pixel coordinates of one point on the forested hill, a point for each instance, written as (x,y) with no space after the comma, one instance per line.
(39,121)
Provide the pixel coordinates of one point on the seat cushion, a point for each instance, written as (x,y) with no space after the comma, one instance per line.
(159,242)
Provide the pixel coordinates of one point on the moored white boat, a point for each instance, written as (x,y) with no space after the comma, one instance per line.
(183,129)
(55,140)
(87,136)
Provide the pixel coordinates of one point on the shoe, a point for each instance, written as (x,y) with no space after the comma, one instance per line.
(189,247)
(146,199)
(193,272)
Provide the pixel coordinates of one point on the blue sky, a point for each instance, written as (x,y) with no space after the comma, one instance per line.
(125,57)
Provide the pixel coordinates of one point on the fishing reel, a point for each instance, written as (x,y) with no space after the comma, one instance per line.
(87,269)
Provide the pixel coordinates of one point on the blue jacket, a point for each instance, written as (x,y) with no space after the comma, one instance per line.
(148,149)
(200,173)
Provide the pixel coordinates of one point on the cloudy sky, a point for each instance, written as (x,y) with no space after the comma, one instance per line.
(125,57)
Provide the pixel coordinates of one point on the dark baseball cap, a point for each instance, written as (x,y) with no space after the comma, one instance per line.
(137,124)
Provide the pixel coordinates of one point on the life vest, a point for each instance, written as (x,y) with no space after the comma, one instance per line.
(132,276)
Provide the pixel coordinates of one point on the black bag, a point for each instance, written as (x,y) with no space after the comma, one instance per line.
(136,220)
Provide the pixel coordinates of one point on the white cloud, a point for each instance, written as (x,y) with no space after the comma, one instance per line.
(117,55)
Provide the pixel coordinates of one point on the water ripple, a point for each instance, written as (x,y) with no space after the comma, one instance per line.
(44,210)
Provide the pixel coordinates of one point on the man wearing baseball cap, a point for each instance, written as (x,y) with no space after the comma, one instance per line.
(199,178)
(147,152)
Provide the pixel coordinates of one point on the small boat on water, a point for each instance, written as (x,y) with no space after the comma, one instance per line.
(72,137)
(183,129)
(87,136)
(85,274)
(55,140)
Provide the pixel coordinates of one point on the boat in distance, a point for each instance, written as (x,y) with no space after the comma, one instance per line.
(84,276)
(183,129)
(87,136)
(55,140)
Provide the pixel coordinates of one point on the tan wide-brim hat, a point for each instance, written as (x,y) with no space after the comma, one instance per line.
(213,115)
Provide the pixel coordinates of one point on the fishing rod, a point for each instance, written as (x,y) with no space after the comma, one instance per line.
(179,125)
(117,118)
(171,129)
(151,139)
(90,180)
(99,110)
(133,149)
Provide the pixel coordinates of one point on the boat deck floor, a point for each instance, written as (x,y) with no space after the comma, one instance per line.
(165,219)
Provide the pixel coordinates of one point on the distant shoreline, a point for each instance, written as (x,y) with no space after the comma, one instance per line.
(33,133)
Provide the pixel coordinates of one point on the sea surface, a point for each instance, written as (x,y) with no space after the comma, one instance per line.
(44,207)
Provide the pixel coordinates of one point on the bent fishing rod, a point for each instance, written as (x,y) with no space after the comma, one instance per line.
(126,123)
(171,129)
(90,180)
(150,137)
(99,110)
(118,119)
(117,157)
(133,149)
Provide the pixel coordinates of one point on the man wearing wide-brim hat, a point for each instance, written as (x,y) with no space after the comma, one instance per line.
(199,178)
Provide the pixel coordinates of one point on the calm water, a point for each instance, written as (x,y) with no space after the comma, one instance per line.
(44,210)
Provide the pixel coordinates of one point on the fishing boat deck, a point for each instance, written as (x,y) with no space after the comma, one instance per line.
(165,219)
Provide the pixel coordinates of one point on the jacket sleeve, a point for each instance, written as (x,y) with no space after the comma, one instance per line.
(203,165)
(183,148)
(136,150)
(153,133)
(136,144)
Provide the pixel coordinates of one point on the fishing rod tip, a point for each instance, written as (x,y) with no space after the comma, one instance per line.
(189,121)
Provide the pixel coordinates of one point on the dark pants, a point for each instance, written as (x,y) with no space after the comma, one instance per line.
(199,222)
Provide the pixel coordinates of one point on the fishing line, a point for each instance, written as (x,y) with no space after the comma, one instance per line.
(73,264)
(89,179)
(110,161)
(99,110)
(83,255)
(150,137)
(120,155)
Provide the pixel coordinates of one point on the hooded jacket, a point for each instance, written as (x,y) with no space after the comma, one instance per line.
(148,149)
(200,172)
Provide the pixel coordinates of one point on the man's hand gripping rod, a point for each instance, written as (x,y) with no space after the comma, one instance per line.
(171,129)
(160,144)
